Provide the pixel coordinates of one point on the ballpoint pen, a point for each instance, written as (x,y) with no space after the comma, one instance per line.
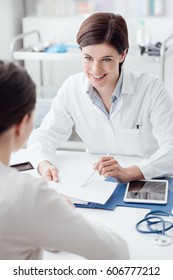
(93,172)
(87,179)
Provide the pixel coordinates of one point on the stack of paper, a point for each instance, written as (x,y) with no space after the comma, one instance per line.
(98,191)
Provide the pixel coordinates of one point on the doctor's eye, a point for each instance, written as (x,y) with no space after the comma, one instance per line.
(107,59)
(89,58)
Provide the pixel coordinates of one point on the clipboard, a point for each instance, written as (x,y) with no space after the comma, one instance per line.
(116,199)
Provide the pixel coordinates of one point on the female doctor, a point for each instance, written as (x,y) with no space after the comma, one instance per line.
(114,111)
(33,216)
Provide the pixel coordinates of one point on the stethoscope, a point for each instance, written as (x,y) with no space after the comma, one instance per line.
(155,224)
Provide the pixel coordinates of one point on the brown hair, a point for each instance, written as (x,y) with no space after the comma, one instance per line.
(17,94)
(104,28)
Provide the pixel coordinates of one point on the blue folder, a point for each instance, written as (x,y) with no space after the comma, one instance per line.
(117,197)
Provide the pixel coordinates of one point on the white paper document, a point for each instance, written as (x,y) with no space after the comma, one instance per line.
(78,201)
(98,191)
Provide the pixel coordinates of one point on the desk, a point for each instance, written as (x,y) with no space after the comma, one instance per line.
(122,220)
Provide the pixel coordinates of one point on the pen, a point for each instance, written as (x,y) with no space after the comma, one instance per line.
(86,180)
(93,172)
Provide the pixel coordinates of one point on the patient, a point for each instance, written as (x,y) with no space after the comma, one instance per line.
(33,216)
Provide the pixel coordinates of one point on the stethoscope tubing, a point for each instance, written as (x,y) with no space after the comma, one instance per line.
(154,215)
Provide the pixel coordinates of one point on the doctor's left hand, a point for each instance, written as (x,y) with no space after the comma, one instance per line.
(109,167)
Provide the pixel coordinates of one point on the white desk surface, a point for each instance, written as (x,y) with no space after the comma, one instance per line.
(122,220)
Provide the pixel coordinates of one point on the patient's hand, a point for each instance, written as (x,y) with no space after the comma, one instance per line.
(68,200)
(48,171)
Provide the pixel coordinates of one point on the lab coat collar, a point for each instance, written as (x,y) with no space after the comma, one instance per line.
(89,89)
(118,87)
(127,86)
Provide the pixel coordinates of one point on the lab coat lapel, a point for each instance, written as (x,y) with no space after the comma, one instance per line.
(127,88)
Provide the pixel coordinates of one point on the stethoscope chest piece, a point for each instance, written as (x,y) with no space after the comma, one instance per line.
(163,240)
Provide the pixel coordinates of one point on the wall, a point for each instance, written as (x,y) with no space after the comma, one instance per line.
(128,8)
(11,24)
(29,7)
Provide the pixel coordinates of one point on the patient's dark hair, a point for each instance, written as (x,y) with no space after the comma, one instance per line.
(104,28)
(17,94)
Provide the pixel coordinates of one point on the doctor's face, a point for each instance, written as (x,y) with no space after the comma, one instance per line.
(101,65)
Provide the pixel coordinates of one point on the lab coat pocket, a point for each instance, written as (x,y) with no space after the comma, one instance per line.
(149,144)
(129,141)
(138,141)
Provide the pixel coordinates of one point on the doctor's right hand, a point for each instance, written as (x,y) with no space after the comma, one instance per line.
(48,171)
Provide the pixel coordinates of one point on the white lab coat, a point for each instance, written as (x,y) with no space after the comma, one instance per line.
(143,103)
(34,217)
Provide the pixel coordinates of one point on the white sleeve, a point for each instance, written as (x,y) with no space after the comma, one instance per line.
(56,128)
(161,116)
(57,225)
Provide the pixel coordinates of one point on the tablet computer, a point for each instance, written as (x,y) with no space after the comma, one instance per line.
(147,191)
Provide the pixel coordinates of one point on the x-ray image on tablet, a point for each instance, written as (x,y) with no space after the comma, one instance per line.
(147,191)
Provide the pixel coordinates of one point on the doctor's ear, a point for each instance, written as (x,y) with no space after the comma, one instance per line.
(123,55)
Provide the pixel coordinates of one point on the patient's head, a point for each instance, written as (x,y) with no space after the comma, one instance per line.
(17,95)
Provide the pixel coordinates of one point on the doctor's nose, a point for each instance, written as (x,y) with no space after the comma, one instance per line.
(96,68)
